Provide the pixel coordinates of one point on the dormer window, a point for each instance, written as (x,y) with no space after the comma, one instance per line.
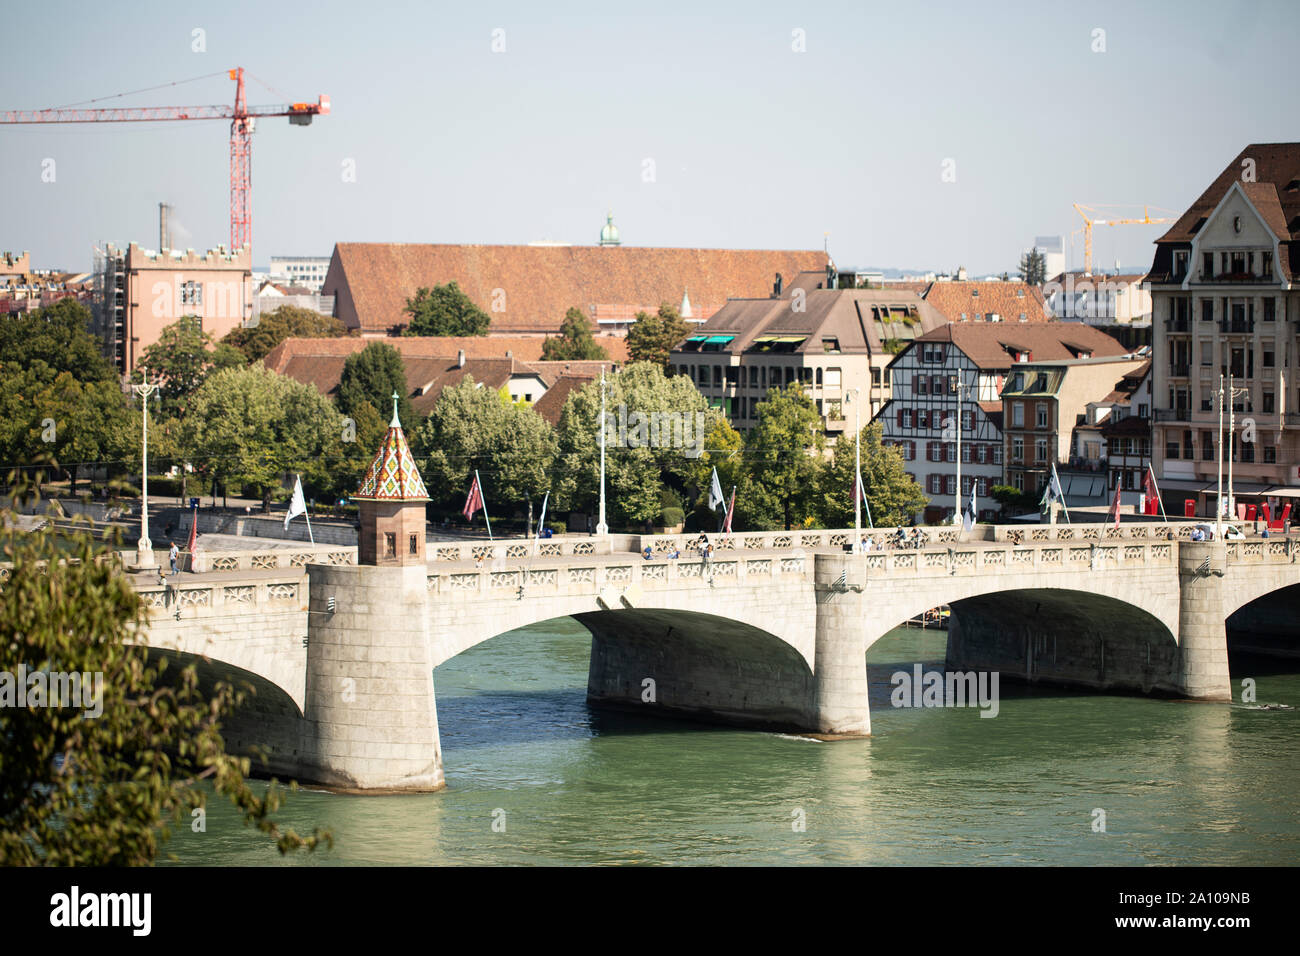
(1180,263)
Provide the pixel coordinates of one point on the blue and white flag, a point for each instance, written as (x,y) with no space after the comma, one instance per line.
(968,519)
(1052,492)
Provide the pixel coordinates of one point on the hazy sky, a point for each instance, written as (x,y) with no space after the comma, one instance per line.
(754,145)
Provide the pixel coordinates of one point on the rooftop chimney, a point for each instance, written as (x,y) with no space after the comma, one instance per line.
(776,287)
(460,359)
(164,237)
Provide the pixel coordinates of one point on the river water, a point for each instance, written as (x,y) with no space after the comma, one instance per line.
(1180,783)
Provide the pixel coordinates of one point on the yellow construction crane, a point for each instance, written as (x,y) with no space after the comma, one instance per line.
(1088,223)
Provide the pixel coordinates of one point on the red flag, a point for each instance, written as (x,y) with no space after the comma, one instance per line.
(1149,487)
(1115,505)
(474,501)
(194,535)
(731,509)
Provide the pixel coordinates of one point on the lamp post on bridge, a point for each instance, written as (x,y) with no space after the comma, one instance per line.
(959,387)
(856,401)
(144,559)
(601,527)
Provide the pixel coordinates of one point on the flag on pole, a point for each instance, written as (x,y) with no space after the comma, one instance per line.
(1052,492)
(968,520)
(1149,489)
(194,535)
(731,510)
(866,504)
(297,504)
(474,501)
(1114,507)
(715,492)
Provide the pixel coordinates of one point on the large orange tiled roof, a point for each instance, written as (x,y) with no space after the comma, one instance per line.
(536,285)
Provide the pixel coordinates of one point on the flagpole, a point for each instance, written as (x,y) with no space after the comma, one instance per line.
(1159,497)
(1064,506)
(483,500)
(540,523)
(307,514)
(601,527)
(867,504)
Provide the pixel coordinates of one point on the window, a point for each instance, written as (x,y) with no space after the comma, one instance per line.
(1207,308)
(922,418)
(717,376)
(1268,358)
(1018,415)
(833,377)
(966,453)
(997,454)
(191,293)
(390,544)
(1018,480)
(1207,446)
(923,385)
(875,375)
(1040,450)
(415,544)
(1187,444)
(1171,447)
(1041,420)
(1270,454)
(753,376)
(1180,263)
(1267,403)
(830,345)
(1270,310)
(1207,353)
(1017,449)
(1144,410)
(982,487)
(1207,266)
(981,454)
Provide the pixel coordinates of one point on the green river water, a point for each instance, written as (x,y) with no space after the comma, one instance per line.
(1180,783)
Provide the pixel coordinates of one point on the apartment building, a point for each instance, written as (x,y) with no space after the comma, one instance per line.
(835,342)
(1225,304)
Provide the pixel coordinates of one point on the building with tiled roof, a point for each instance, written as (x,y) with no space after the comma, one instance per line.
(526,290)
(1118,304)
(1012,301)
(920,419)
(526,348)
(1225,300)
(1052,414)
(551,405)
(431,364)
(833,341)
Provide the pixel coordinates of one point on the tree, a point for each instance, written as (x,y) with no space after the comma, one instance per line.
(59,337)
(783,451)
(637,463)
(445,310)
(363,431)
(473,427)
(105,791)
(893,496)
(252,426)
(180,358)
(575,343)
(1033,267)
(653,337)
(272,328)
(373,375)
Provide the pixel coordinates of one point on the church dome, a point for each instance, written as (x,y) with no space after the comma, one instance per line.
(609,234)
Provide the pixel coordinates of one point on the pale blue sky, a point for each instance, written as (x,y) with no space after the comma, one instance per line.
(754,145)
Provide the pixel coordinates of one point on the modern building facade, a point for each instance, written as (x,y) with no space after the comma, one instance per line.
(305,271)
(1119,305)
(1225,303)
(834,342)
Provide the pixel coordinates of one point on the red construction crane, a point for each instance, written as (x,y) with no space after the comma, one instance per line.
(242,121)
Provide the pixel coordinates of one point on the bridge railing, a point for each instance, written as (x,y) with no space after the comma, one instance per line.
(254,559)
(1263,550)
(190,597)
(580,578)
(982,558)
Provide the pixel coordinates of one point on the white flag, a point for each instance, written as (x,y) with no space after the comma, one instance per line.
(968,521)
(715,493)
(297,504)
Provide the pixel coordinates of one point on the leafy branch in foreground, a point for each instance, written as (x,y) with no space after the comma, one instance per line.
(103,790)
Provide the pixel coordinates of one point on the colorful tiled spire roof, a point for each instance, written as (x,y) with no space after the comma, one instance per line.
(392,476)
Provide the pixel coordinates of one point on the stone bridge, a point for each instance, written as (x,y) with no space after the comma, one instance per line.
(772,632)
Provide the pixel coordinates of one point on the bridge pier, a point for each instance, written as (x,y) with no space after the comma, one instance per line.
(1202,626)
(839,695)
(370,720)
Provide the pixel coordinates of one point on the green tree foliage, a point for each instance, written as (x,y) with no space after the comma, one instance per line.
(653,337)
(372,375)
(180,360)
(362,434)
(107,790)
(251,426)
(1033,267)
(783,452)
(893,496)
(288,321)
(445,310)
(58,337)
(575,342)
(634,475)
(58,396)
(472,427)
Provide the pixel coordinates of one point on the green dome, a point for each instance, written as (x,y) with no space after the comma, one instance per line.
(609,234)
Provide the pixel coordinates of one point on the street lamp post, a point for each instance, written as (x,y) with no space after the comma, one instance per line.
(1218,495)
(1232,439)
(857,469)
(958,386)
(601,527)
(144,559)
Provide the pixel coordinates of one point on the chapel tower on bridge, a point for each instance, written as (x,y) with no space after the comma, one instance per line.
(391,501)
